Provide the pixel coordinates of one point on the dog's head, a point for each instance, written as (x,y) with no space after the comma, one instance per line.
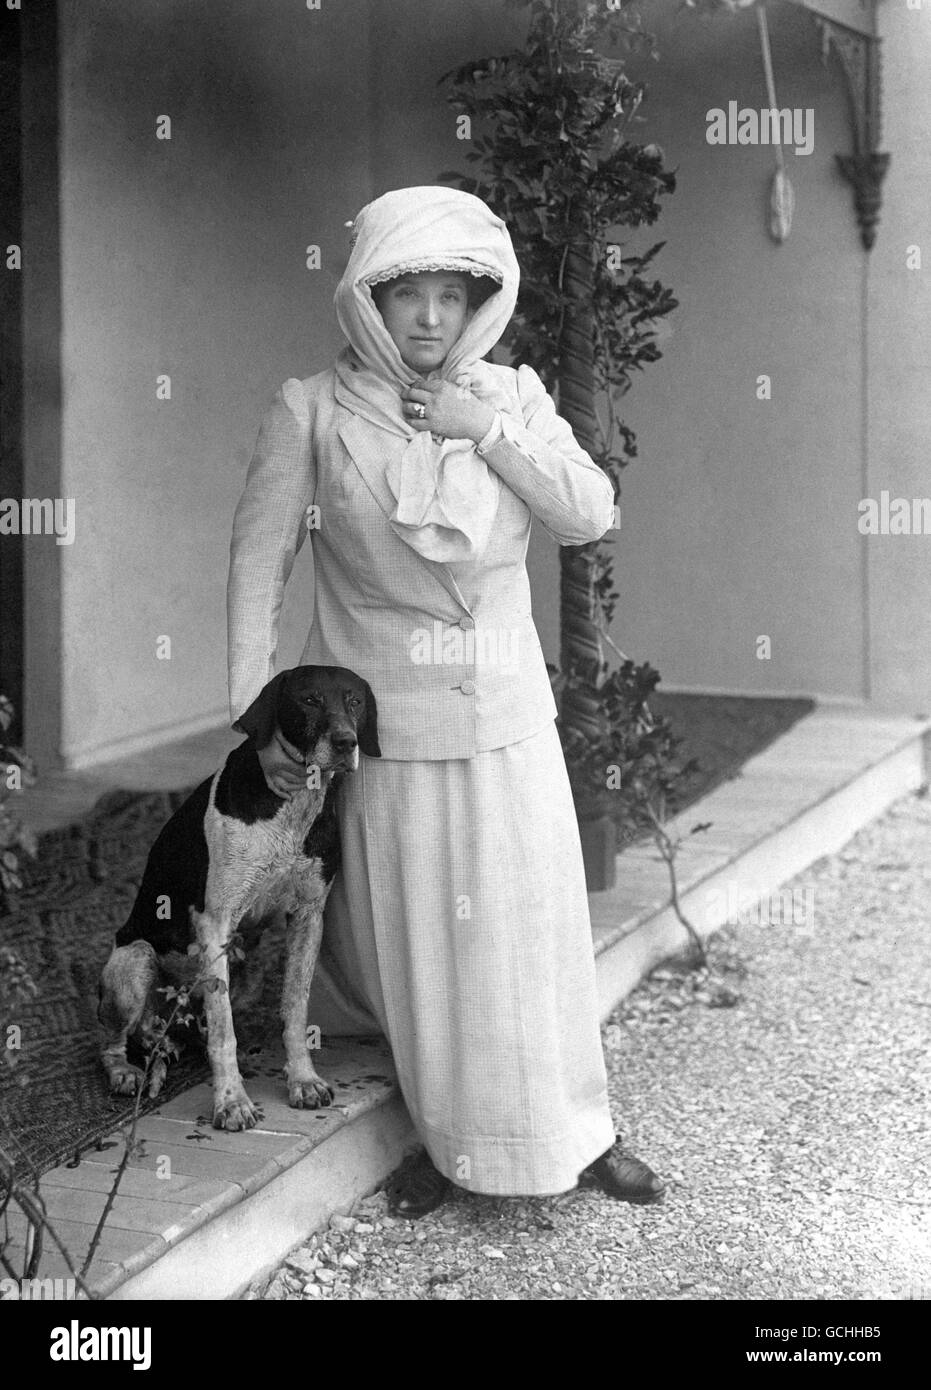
(322,714)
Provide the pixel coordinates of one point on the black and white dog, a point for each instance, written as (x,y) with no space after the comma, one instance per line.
(233,851)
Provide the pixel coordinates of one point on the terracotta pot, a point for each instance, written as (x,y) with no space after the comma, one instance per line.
(599,850)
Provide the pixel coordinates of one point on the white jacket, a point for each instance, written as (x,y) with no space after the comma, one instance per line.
(450,651)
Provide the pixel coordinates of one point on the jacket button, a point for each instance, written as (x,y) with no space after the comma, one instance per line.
(467,624)
(468,687)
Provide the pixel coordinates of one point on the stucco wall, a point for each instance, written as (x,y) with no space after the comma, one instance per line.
(186,257)
(738,520)
(899,356)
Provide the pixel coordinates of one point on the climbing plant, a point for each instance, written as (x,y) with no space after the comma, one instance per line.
(555,154)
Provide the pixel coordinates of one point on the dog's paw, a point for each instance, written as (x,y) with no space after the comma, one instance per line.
(310,1093)
(235,1112)
(125,1079)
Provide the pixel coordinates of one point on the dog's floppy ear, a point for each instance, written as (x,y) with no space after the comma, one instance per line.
(261,717)
(368,731)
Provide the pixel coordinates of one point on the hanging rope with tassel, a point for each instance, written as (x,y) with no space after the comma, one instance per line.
(781,193)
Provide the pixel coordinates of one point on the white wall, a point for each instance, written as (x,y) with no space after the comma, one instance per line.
(187,257)
(899,354)
(739,518)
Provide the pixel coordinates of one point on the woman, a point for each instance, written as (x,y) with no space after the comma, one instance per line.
(459,922)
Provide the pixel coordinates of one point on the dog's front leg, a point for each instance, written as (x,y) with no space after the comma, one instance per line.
(232,1108)
(306,1089)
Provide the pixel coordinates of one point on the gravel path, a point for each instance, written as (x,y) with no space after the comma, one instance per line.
(792,1128)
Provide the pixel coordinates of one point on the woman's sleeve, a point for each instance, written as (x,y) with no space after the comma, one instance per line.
(268,530)
(541,461)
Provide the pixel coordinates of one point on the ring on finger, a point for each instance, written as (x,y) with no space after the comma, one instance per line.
(420,411)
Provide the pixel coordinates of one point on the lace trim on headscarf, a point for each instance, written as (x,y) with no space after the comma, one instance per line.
(447,263)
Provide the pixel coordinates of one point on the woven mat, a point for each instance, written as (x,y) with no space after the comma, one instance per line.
(55,1102)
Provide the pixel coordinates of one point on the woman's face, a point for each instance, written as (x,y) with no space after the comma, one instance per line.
(425,314)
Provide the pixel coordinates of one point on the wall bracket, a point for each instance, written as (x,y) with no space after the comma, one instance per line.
(858,52)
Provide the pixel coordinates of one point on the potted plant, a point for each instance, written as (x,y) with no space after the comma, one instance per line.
(556,161)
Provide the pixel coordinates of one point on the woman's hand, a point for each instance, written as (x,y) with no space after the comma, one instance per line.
(450,410)
(283,775)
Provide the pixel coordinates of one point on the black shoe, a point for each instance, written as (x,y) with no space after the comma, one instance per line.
(417,1188)
(625,1177)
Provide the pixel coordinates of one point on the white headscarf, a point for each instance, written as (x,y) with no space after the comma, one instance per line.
(446,496)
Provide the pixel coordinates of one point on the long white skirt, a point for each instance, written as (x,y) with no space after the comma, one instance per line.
(459,926)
